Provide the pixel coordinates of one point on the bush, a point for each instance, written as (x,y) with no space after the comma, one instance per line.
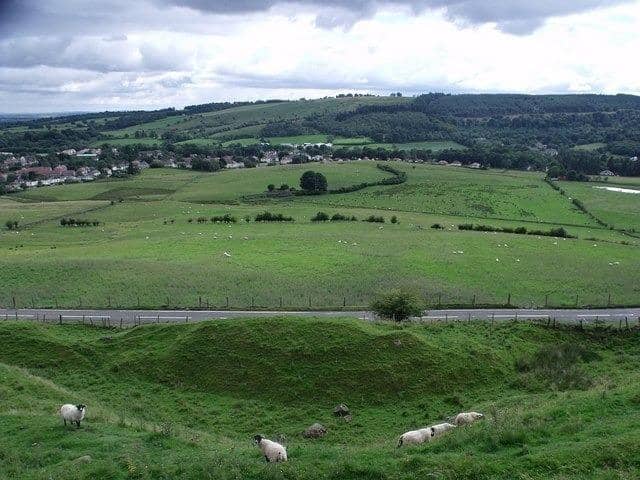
(72,222)
(338,217)
(272,217)
(271,187)
(394,219)
(313,182)
(437,226)
(374,219)
(397,305)
(11,224)
(226,218)
(320,217)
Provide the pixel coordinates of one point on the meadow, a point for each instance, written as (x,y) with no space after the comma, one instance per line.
(184,401)
(621,210)
(150,251)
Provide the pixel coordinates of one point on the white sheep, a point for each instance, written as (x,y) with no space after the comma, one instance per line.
(465,418)
(441,428)
(272,451)
(416,437)
(72,413)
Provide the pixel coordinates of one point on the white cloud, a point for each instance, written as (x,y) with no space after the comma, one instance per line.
(284,53)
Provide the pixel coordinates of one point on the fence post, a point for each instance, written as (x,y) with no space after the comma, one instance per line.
(252,303)
(626,321)
(83,319)
(509,299)
(546,301)
(60,319)
(121,323)
(280,302)
(620,324)
(199,302)
(227,302)
(309,301)
(344,302)
(576,300)
(158,320)
(609,300)
(439,300)
(14,301)
(473,303)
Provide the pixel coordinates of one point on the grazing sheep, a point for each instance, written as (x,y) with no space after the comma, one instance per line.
(416,437)
(441,428)
(465,418)
(72,413)
(272,451)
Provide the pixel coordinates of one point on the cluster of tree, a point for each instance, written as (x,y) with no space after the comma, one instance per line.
(272,217)
(73,222)
(336,217)
(554,232)
(313,182)
(226,218)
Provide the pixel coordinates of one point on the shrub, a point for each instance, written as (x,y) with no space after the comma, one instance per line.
(11,224)
(557,366)
(271,187)
(374,219)
(437,226)
(397,305)
(320,217)
(72,222)
(226,218)
(313,182)
(338,217)
(394,219)
(272,217)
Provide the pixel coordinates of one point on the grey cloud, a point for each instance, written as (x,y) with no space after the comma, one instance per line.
(512,16)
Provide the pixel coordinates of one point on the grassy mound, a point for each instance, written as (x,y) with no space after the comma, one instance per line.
(183,401)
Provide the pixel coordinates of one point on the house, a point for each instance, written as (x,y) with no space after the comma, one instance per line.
(455,164)
(443,162)
(607,173)
(286,160)
(475,165)
(70,152)
(233,164)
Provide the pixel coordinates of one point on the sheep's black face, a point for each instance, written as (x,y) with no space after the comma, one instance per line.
(257,439)
(81,407)
(433,432)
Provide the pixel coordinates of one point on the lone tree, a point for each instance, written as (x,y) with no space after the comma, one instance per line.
(397,305)
(313,182)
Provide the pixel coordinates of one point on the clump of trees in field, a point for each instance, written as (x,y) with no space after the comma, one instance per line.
(374,219)
(73,222)
(272,217)
(12,224)
(337,217)
(313,182)
(226,218)
(397,305)
(554,232)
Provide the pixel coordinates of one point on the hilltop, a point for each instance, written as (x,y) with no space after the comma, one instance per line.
(184,401)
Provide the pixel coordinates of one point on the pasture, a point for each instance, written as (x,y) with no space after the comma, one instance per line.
(618,209)
(146,252)
(184,401)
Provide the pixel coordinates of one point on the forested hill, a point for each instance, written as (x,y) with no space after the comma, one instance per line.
(527,126)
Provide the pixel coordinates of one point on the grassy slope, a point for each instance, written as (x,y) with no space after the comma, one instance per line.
(622,210)
(184,401)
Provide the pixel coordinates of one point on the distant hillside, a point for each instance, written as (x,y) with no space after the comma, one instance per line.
(515,121)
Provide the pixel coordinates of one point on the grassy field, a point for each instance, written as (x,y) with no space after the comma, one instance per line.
(184,402)
(467,193)
(590,147)
(434,146)
(120,142)
(147,253)
(619,209)
(233,185)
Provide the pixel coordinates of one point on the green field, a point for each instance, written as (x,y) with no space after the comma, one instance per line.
(618,209)
(120,142)
(590,146)
(184,401)
(146,252)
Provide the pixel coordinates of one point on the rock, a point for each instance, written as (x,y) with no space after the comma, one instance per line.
(316,430)
(83,459)
(347,418)
(341,410)
(397,342)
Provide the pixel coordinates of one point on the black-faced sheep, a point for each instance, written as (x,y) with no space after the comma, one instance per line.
(72,413)
(272,451)
(441,428)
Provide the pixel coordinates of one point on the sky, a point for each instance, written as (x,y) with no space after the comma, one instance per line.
(96,55)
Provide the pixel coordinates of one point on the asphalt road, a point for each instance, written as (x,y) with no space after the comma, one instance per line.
(132,317)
